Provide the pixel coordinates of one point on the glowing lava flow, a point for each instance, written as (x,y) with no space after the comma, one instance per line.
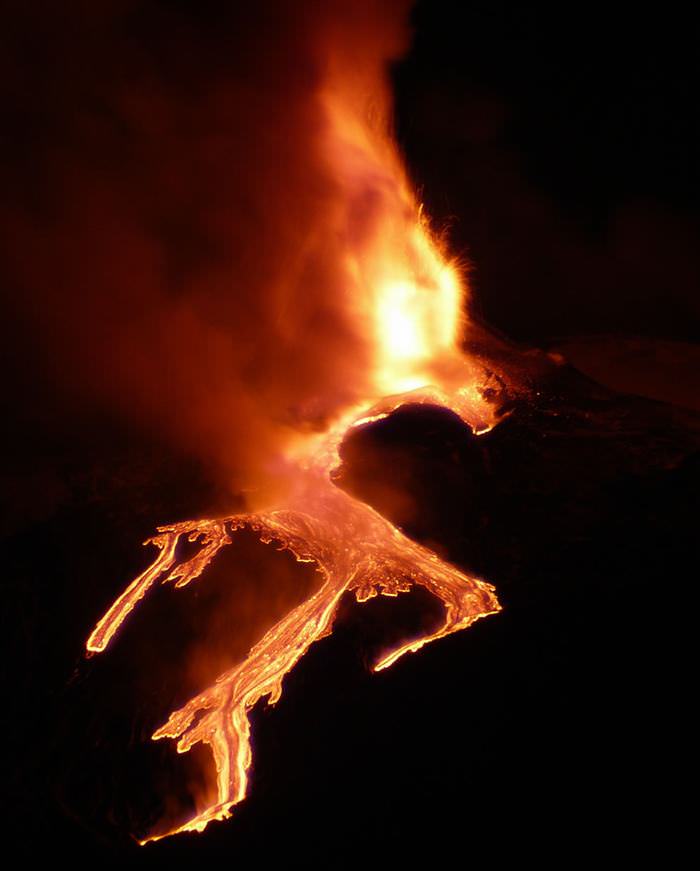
(353,547)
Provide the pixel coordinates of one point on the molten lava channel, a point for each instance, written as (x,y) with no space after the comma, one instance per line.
(354,549)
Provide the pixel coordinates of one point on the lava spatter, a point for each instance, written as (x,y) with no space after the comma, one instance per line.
(405,301)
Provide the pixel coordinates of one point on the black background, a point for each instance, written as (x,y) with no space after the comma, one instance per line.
(560,145)
(562,141)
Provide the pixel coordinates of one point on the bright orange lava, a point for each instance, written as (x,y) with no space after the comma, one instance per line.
(408,300)
(354,548)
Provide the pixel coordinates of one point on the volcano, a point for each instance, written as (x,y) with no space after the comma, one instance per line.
(407,581)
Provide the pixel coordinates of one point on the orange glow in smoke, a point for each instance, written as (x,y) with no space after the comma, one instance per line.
(407,300)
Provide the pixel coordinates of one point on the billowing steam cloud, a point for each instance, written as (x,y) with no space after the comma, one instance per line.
(171,222)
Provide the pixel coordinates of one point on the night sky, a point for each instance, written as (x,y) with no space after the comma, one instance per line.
(562,142)
(558,147)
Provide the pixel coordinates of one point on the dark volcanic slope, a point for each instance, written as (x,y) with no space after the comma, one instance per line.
(560,714)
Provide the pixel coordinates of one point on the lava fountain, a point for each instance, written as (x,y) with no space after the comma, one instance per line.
(406,298)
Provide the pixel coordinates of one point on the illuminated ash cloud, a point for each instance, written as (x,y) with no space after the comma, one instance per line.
(232,253)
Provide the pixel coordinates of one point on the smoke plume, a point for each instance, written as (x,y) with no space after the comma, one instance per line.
(174,230)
